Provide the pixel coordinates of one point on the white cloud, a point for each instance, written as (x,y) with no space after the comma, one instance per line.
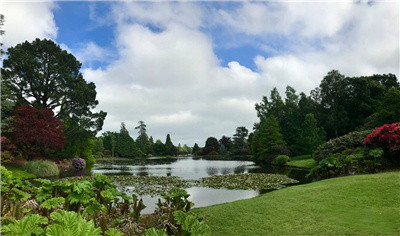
(169,75)
(28,21)
(172,79)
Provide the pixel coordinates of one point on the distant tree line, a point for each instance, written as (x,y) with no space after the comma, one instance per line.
(121,144)
(299,123)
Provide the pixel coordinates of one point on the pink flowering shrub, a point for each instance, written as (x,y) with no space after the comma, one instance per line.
(386,137)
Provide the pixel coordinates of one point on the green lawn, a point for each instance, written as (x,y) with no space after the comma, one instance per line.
(302,161)
(353,205)
(18,173)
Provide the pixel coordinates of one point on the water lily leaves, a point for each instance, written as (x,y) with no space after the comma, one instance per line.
(247,181)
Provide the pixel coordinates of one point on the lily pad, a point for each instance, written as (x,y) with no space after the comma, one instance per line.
(247,181)
(143,185)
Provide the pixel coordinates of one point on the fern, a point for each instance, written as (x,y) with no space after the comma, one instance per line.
(113,232)
(53,203)
(29,225)
(155,232)
(71,223)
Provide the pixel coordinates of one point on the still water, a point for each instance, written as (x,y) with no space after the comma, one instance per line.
(191,169)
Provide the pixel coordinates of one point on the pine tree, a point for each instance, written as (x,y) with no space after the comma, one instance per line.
(311,136)
(170,149)
(124,143)
(267,137)
(195,148)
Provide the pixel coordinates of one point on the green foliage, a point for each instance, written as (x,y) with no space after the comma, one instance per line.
(351,161)
(239,139)
(155,232)
(254,181)
(8,100)
(190,224)
(311,136)
(42,168)
(170,149)
(389,112)
(349,141)
(113,232)
(125,145)
(159,148)
(30,225)
(70,223)
(195,149)
(282,160)
(265,138)
(53,203)
(96,207)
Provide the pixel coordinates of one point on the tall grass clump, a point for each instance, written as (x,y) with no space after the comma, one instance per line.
(42,168)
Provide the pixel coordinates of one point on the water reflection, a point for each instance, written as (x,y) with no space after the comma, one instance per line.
(187,168)
(212,171)
(191,168)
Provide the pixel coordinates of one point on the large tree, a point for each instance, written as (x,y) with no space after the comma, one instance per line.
(267,137)
(125,145)
(195,148)
(226,142)
(170,149)
(36,132)
(42,75)
(142,141)
(212,144)
(159,148)
(311,136)
(389,112)
(240,139)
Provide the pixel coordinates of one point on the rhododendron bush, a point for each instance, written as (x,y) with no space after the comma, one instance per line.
(386,137)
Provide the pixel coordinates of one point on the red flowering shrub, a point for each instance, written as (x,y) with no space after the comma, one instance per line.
(34,131)
(386,137)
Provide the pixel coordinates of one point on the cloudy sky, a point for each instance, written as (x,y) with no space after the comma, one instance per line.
(196,69)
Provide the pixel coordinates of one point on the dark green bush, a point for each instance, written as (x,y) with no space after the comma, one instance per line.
(42,168)
(351,140)
(269,155)
(348,162)
(282,160)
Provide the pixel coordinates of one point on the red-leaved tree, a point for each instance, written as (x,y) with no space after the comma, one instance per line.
(36,132)
(386,137)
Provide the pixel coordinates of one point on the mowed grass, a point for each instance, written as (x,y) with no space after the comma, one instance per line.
(353,205)
(302,161)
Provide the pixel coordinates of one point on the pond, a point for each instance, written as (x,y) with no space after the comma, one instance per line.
(190,168)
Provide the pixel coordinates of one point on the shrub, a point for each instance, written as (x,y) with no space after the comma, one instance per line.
(244,151)
(78,163)
(270,155)
(351,140)
(281,160)
(107,153)
(42,168)
(361,160)
(213,153)
(386,137)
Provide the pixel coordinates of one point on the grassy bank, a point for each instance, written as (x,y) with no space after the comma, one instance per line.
(18,173)
(302,161)
(353,205)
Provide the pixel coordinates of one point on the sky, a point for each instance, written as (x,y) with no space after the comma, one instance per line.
(196,69)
